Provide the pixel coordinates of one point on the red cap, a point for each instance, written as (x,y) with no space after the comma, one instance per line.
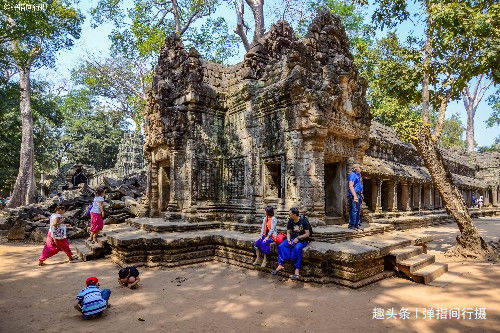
(92,280)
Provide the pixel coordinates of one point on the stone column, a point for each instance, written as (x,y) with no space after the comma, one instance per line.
(417,200)
(376,194)
(153,205)
(427,200)
(392,200)
(494,201)
(405,196)
(172,202)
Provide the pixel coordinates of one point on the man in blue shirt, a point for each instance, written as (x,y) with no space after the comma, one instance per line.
(355,195)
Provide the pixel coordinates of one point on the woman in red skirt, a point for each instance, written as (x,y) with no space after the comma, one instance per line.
(97,215)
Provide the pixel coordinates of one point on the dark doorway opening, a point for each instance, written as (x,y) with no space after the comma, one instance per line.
(333,189)
(367,192)
(399,193)
(385,195)
(163,187)
(79,178)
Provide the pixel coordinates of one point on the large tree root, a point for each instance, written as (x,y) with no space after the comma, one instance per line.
(478,251)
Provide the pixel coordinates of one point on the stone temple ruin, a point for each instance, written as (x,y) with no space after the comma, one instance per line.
(281,128)
(273,129)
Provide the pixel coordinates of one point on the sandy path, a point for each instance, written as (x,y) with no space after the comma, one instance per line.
(216,297)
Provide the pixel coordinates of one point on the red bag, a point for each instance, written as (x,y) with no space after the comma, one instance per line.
(279,238)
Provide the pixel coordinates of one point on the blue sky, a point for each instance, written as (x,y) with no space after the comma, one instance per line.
(96,42)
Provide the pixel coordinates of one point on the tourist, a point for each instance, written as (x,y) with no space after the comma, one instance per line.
(128,277)
(268,234)
(355,195)
(56,237)
(473,200)
(97,215)
(92,301)
(480,202)
(298,231)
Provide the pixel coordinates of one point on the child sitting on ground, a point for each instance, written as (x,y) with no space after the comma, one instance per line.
(92,301)
(129,277)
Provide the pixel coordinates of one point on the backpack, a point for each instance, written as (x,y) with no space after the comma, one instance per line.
(89,208)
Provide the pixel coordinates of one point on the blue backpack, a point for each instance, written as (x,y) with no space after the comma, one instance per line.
(89,208)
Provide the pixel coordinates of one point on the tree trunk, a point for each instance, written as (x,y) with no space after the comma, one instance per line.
(257,7)
(24,192)
(470,242)
(470,131)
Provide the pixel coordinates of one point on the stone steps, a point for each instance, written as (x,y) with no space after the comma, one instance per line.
(90,251)
(418,266)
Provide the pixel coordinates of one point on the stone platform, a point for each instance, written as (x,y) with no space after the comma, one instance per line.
(358,261)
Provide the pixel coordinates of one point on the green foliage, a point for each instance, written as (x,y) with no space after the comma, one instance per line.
(141,30)
(46,119)
(90,134)
(494,147)
(464,39)
(120,81)
(494,102)
(36,35)
(453,130)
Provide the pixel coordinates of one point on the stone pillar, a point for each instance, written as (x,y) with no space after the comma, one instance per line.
(173,204)
(392,200)
(427,199)
(376,194)
(405,196)
(494,201)
(486,198)
(417,200)
(153,205)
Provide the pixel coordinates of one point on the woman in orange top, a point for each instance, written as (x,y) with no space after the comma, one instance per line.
(268,234)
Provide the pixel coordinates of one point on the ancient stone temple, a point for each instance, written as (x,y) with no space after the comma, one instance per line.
(279,128)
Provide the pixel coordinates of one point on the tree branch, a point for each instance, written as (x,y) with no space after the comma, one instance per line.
(257,7)
(441,117)
(177,17)
(240,25)
(188,23)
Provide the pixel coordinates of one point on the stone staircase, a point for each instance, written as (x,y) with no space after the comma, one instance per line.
(87,250)
(417,265)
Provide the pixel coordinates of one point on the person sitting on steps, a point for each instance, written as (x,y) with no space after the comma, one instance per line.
(298,232)
(268,235)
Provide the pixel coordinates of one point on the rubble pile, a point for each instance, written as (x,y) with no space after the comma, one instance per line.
(31,222)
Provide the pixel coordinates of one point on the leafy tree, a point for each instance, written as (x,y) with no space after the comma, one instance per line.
(46,120)
(34,36)
(494,102)
(494,147)
(89,134)
(453,129)
(472,95)
(137,38)
(461,41)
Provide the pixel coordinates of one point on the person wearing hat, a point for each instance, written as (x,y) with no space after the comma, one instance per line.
(92,301)
(355,196)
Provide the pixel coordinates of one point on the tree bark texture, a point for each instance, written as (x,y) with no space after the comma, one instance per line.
(469,239)
(470,131)
(24,191)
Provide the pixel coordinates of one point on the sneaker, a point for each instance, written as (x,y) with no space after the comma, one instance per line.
(275,272)
(294,277)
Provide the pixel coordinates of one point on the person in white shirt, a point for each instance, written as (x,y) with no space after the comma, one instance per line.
(56,237)
(97,214)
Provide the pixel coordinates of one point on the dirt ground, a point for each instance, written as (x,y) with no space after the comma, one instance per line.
(223,298)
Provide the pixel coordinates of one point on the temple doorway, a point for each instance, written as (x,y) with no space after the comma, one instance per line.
(335,187)
(79,178)
(163,187)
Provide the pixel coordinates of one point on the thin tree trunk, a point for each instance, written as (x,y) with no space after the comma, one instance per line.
(470,242)
(24,192)
(470,131)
